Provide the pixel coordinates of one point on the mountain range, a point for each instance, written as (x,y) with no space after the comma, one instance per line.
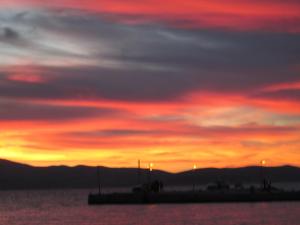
(21,176)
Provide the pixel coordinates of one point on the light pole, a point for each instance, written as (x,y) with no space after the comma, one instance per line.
(149,172)
(139,173)
(194,176)
(263,163)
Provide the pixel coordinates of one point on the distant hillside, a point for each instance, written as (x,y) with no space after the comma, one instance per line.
(20,176)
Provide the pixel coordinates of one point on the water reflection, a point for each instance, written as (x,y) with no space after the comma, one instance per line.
(70,208)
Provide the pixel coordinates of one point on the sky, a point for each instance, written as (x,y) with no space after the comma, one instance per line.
(175,83)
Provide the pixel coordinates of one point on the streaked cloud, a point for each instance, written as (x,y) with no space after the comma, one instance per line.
(112,81)
(238,15)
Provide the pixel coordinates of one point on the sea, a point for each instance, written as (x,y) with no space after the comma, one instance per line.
(69,207)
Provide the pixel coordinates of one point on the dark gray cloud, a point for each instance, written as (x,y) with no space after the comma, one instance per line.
(144,62)
(283,95)
(16,111)
(134,85)
(155,44)
(8,33)
(12,37)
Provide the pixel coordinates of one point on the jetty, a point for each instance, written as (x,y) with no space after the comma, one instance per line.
(190,197)
(152,192)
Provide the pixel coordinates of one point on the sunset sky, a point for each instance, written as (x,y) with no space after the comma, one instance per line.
(107,82)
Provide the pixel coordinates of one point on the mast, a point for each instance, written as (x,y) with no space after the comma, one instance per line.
(98,180)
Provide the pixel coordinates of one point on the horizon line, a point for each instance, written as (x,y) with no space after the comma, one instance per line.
(144,168)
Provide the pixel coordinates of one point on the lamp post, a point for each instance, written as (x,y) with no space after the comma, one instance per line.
(194,176)
(139,173)
(149,172)
(262,165)
(151,167)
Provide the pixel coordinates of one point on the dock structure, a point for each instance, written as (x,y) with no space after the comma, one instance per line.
(152,192)
(191,197)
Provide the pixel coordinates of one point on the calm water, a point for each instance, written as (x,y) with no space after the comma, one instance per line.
(70,208)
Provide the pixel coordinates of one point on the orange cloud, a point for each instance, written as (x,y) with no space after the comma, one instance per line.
(210,129)
(173,144)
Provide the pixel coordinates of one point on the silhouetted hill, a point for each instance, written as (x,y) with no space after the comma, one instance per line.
(20,176)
